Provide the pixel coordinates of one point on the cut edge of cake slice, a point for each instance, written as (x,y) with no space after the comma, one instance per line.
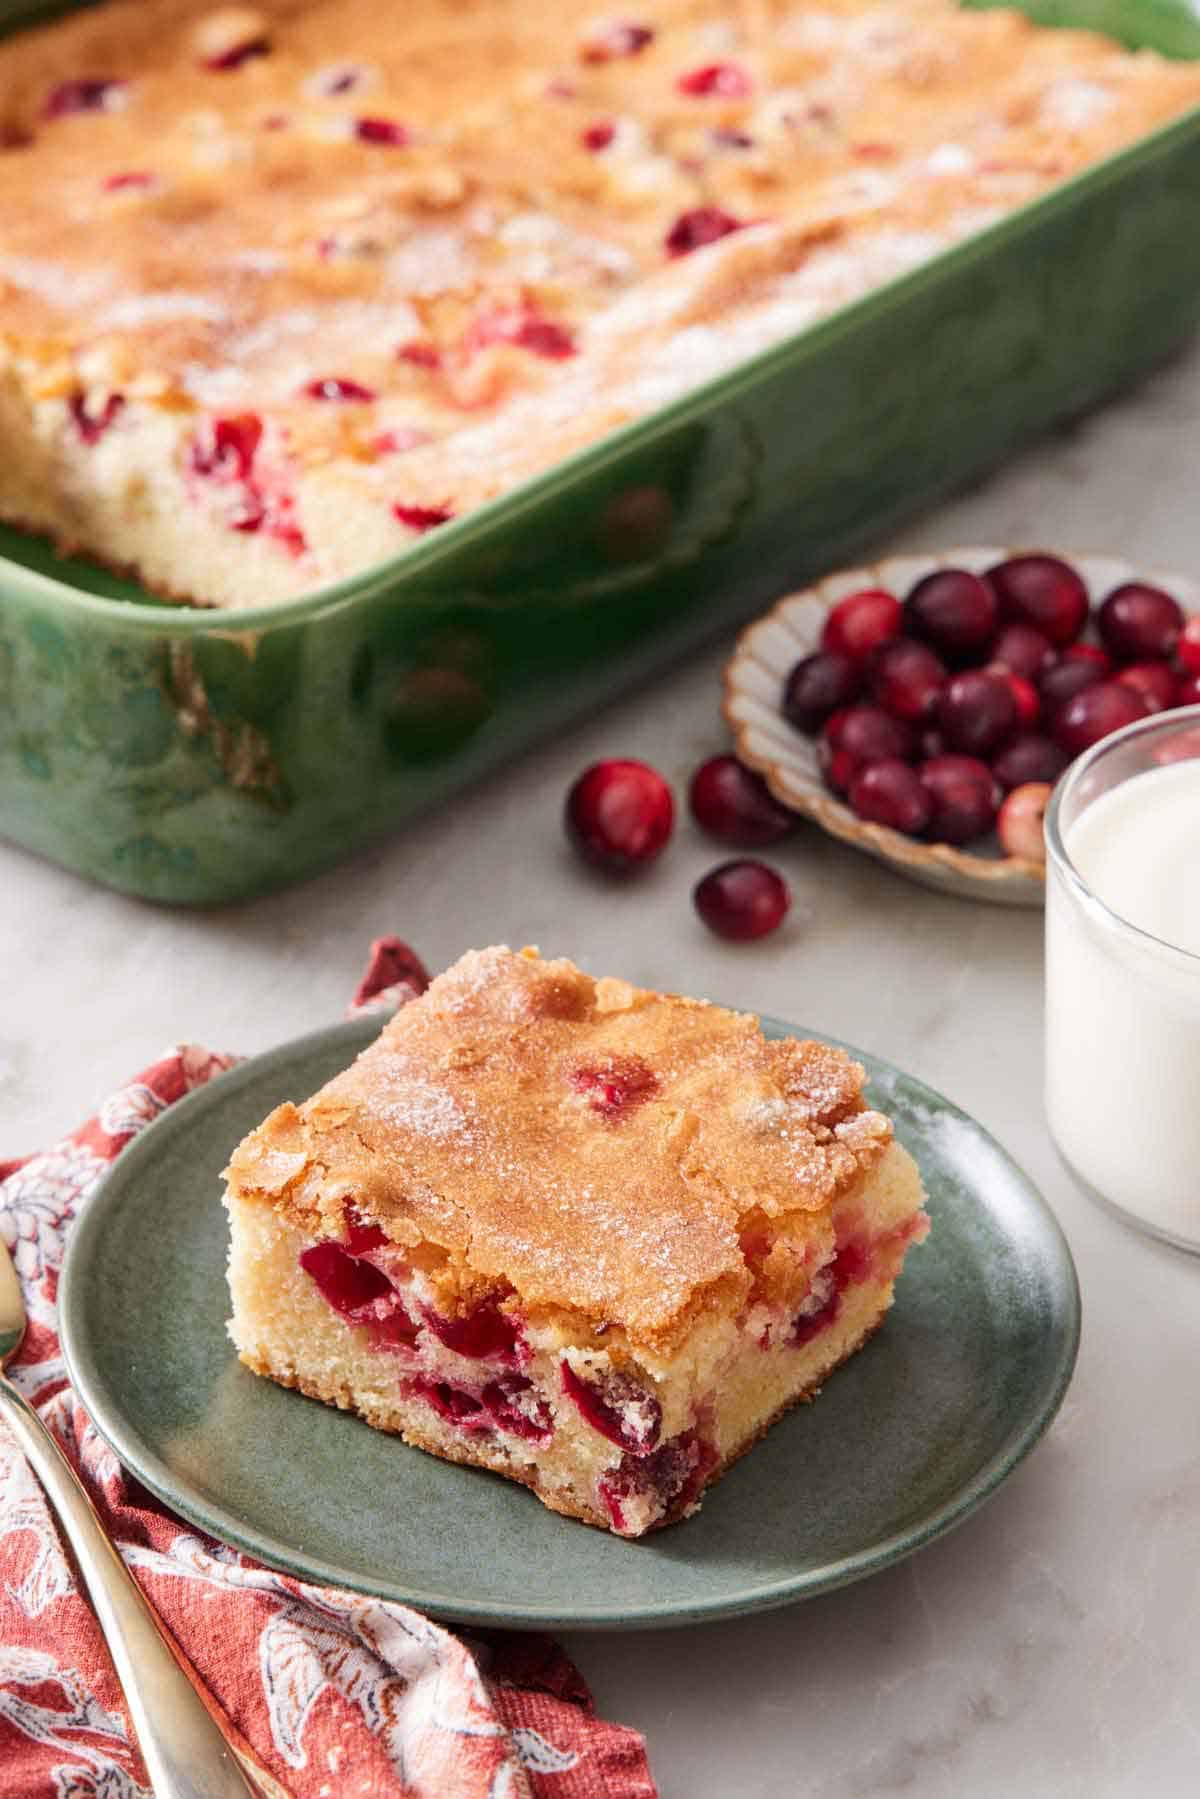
(591,1237)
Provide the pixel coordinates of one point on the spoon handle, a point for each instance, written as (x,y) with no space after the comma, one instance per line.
(185,1753)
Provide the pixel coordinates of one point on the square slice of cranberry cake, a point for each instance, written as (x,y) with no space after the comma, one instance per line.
(591,1237)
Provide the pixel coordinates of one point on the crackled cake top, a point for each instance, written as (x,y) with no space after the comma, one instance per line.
(592,1145)
(380,229)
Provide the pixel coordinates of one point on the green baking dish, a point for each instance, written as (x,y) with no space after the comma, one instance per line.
(197,757)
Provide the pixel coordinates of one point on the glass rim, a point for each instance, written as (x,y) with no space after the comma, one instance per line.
(1176,718)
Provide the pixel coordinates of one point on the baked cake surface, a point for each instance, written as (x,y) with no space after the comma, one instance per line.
(284,287)
(592,1237)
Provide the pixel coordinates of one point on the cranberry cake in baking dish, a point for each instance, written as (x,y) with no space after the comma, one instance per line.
(594,1238)
(284,286)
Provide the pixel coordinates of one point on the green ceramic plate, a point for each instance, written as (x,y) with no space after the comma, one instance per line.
(905,1442)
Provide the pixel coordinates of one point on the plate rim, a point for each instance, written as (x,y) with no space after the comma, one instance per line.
(139,1459)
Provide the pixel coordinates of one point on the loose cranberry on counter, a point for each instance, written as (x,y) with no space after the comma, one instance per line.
(907,679)
(858,735)
(1029,758)
(891,793)
(620,814)
(1024,649)
(1188,647)
(1019,825)
(742,900)
(1154,681)
(977,712)
(736,806)
(700,226)
(954,612)
(817,686)
(862,622)
(1044,591)
(1139,623)
(964,796)
(1096,713)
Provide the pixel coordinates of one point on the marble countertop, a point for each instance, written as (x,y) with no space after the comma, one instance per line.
(1050,1646)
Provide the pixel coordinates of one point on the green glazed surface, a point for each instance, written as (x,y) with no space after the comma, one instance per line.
(198,757)
(905,1442)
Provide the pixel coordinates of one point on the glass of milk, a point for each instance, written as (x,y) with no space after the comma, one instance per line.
(1123,972)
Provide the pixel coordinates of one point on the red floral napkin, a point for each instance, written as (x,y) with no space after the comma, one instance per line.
(331,1695)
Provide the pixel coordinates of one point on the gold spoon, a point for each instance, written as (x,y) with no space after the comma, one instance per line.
(183,1749)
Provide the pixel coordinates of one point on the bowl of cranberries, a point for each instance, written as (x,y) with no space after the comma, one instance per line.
(923,708)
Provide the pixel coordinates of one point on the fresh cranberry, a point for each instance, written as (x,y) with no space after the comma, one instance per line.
(617,1406)
(862,622)
(613,41)
(91,425)
(1188,647)
(1095,713)
(736,806)
(1088,653)
(723,80)
(1154,681)
(1029,758)
(1187,690)
(486,1333)
(387,132)
(226,447)
(1025,694)
(858,735)
(350,1285)
(421,356)
(700,226)
(930,743)
(515,1406)
(1067,677)
(1044,591)
(954,612)
(817,686)
(454,1404)
(337,387)
(1020,822)
(620,814)
(422,518)
(86,94)
(963,795)
(1139,623)
(977,711)
(907,679)
(598,136)
(889,793)
(237,54)
(1024,649)
(742,900)
(615,1086)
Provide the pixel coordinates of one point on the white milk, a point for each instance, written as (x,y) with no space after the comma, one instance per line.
(1123,1010)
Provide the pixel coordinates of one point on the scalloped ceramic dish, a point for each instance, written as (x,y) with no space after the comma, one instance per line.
(787,760)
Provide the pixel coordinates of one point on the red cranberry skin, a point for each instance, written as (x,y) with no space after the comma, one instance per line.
(1020,826)
(599,136)
(742,900)
(1139,623)
(964,797)
(486,1334)
(977,712)
(891,793)
(1044,591)
(1029,704)
(735,806)
(616,1086)
(1095,713)
(1188,647)
(513,1406)
(858,735)
(1154,681)
(695,229)
(617,1406)
(620,815)
(1187,690)
(1029,758)
(818,686)
(386,132)
(955,613)
(718,80)
(1089,653)
(1065,678)
(1024,649)
(862,622)
(422,518)
(350,1285)
(907,679)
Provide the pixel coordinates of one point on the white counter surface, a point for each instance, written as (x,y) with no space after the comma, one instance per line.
(1051,1646)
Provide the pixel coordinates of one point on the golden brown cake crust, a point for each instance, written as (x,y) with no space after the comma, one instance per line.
(595,1147)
